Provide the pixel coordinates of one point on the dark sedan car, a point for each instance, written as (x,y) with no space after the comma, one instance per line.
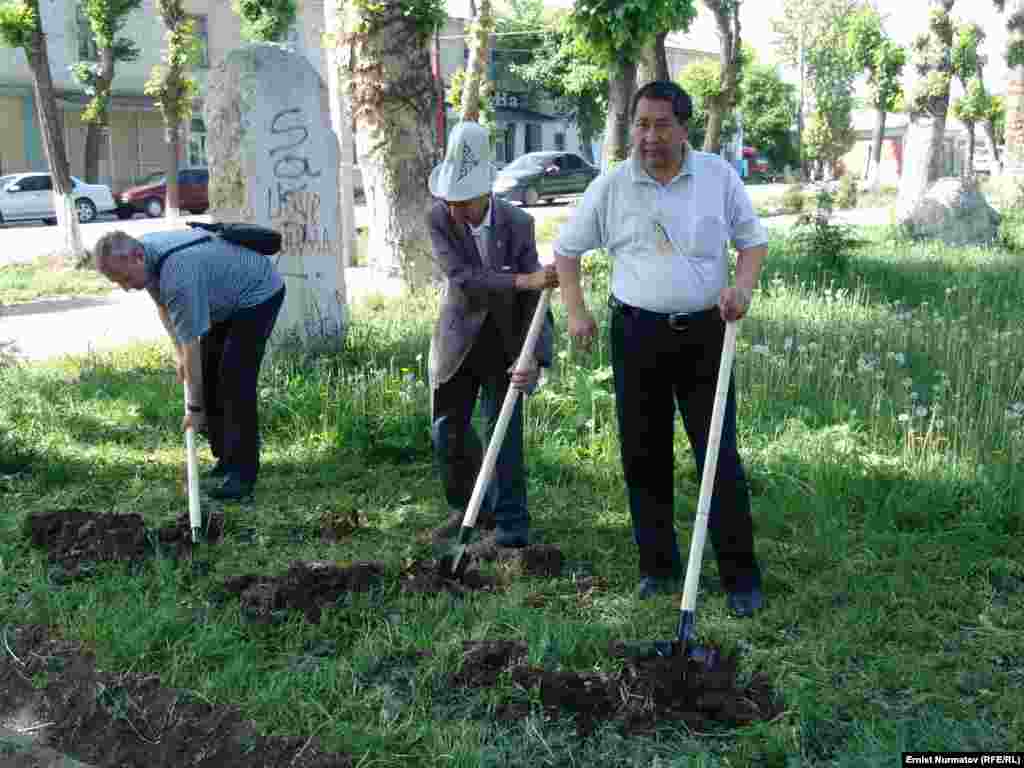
(538,176)
(150,195)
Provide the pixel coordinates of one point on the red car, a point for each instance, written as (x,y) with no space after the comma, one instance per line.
(150,195)
(756,163)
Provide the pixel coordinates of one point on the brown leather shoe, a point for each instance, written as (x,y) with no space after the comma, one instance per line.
(485,521)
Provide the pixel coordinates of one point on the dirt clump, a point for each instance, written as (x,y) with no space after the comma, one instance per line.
(76,540)
(639,696)
(307,586)
(425,577)
(131,720)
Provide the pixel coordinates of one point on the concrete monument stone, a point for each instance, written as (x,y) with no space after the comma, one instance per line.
(274,161)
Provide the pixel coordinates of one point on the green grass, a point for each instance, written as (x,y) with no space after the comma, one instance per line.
(882,425)
(45,279)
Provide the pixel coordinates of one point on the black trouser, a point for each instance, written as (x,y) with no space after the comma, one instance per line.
(656,368)
(232,352)
(457,448)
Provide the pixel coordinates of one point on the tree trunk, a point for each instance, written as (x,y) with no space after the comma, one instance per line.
(93,132)
(997,161)
(1014,158)
(587,143)
(479,57)
(621,85)
(392,95)
(919,149)
(172,199)
(937,168)
(653,61)
(337,73)
(969,166)
(873,175)
(727,19)
(713,130)
(50,125)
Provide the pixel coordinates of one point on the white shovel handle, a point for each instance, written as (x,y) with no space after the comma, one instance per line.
(195,515)
(707,482)
(494,446)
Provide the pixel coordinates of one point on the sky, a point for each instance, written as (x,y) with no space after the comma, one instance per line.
(904,20)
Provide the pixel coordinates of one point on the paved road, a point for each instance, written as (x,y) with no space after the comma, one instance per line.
(52,327)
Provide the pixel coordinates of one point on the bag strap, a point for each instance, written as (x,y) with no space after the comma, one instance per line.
(163,257)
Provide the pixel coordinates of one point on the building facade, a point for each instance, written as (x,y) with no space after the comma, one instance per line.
(134,146)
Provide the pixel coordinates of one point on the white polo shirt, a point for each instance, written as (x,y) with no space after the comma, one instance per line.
(668,242)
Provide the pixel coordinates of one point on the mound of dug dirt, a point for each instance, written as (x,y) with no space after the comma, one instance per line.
(77,539)
(307,587)
(645,692)
(131,721)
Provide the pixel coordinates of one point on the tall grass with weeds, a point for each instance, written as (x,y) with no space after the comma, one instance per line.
(881,416)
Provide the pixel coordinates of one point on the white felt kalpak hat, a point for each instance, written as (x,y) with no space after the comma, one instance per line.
(466,171)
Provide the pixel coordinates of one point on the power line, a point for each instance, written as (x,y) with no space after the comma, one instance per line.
(528,33)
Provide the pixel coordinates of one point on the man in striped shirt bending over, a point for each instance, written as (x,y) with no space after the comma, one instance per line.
(219,302)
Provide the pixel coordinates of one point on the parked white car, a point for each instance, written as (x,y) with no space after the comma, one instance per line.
(29,196)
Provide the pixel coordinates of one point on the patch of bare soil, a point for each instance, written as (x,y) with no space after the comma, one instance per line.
(131,720)
(77,540)
(424,577)
(307,587)
(644,693)
(543,560)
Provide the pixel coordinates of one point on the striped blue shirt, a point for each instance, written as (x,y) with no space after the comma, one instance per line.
(206,283)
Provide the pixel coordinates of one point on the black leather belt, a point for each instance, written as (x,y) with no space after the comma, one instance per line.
(677,321)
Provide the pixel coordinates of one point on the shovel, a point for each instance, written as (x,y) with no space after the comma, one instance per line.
(453,565)
(195,516)
(685,642)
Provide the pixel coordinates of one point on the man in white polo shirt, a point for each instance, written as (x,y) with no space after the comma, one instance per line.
(666,216)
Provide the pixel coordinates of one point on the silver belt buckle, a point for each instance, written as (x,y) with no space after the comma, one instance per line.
(679,321)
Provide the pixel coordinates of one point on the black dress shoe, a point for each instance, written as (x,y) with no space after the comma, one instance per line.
(232,489)
(745,604)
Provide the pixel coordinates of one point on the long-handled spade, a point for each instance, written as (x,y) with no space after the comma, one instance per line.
(685,641)
(195,515)
(453,565)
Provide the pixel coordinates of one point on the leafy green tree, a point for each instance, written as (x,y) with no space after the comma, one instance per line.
(702,79)
(1013,106)
(616,31)
(457,90)
(883,61)
(830,132)
(932,57)
(973,107)
(565,68)
(810,37)
(995,128)
(390,87)
(768,105)
(265,20)
(21,27)
(173,88)
(475,82)
(106,19)
(722,102)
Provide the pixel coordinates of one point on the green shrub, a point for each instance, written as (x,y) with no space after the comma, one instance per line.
(829,246)
(1011,230)
(793,199)
(847,197)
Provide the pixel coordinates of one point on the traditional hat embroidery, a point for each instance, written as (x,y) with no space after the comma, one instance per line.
(469,162)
